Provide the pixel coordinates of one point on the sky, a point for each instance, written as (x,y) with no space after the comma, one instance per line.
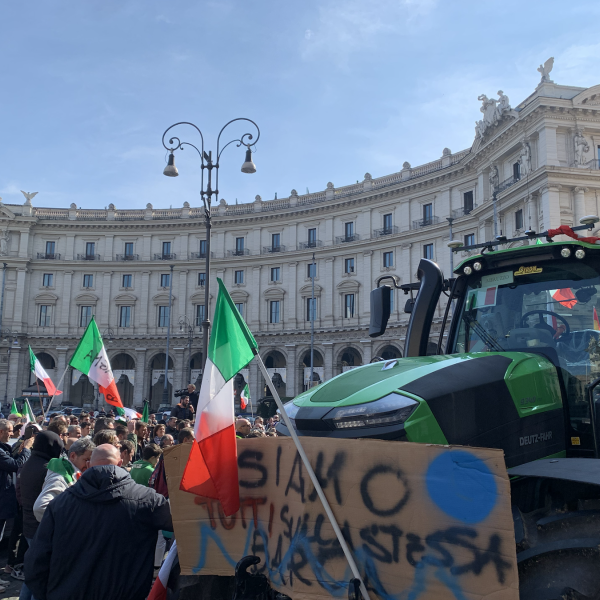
(338,88)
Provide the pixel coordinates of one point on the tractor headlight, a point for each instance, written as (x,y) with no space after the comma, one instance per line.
(580,253)
(565,252)
(477,266)
(467,270)
(389,410)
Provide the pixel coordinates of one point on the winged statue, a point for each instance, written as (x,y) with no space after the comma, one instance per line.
(545,70)
(28,195)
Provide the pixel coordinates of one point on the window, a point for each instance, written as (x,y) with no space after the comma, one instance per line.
(240,307)
(276,241)
(519,219)
(311,270)
(45,315)
(88,281)
(517,171)
(275,274)
(312,238)
(165,279)
(349,231)
(128,248)
(163,316)
(48,279)
(166,249)
(274,311)
(348,305)
(238,277)
(387,223)
(427,214)
(125,316)
(86,316)
(50,248)
(428,251)
(202,279)
(349,265)
(388,259)
(468,202)
(470,239)
(90,248)
(127,281)
(239,245)
(311,309)
(200,314)
(202,248)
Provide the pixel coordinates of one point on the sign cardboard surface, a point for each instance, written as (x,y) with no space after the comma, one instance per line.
(424,522)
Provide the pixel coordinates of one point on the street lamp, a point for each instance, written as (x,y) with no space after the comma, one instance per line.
(7,335)
(186,327)
(206,193)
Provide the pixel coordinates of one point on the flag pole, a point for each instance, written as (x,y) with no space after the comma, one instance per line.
(313,477)
(39,396)
(57,388)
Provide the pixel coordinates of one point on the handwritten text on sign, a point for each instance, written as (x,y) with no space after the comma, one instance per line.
(422,521)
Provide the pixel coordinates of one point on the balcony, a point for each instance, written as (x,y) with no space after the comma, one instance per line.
(463,211)
(45,256)
(385,231)
(238,252)
(507,183)
(593,164)
(310,244)
(272,249)
(197,255)
(165,257)
(89,257)
(128,257)
(426,222)
(342,239)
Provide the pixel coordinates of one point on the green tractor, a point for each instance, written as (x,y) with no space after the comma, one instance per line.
(519,373)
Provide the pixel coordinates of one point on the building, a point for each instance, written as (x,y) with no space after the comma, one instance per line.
(63,265)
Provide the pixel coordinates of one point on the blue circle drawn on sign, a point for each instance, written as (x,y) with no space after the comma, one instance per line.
(462,486)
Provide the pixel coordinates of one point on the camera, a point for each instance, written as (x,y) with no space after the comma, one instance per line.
(179,393)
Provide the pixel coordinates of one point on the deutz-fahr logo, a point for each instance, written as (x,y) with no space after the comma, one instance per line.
(528,270)
(536,438)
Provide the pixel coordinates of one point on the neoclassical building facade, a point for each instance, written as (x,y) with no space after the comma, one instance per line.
(63,265)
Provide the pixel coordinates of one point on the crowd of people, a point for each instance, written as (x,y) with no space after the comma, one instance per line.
(113,469)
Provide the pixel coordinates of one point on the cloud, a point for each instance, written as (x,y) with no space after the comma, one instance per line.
(162,19)
(347,26)
(577,63)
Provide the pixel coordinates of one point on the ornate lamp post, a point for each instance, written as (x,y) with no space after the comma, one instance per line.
(11,337)
(206,193)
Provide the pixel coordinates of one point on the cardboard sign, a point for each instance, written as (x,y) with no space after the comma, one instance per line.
(422,521)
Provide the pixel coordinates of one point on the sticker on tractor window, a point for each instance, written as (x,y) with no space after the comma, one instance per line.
(528,270)
(575,441)
(497,279)
(389,364)
(482,297)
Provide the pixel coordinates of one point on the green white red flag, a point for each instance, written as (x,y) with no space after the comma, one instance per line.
(27,413)
(245,397)
(40,373)
(212,469)
(90,358)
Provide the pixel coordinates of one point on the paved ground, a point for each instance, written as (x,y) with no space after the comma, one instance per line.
(12,593)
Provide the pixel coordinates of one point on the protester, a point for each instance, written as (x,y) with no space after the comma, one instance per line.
(74,431)
(108,436)
(103,423)
(183,410)
(258,423)
(242,428)
(186,436)
(59,427)
(122,432)
(142,469)
(171,428)
(85,428)
(159,432)
(63,473)
(152,420)
(256,433)
(76,559)
(193,396)
(141,431)
(127,450)
(166,441)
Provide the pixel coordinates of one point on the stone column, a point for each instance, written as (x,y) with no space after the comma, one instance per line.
(70,250)
(292,303)
(108,248)
(19,299)
(61,365)
(179,371)
(367,348)
(13,372)
(328,359)
(66,303)
(547,147)
(327,299)
(139,391)
(367,279)
(146,247)
(255,383)
(182,300)
(143,315)
(291,368)
(24,243)
(106,300)
(256,300)
(579,205)
(550,207)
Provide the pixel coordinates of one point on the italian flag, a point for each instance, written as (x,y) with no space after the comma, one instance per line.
(596,321)
(211,469)
(245,397)
(90,358)
(128,413)
(27,413)
(41,374)
(159,589)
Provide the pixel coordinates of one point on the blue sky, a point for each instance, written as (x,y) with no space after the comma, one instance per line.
(338,88)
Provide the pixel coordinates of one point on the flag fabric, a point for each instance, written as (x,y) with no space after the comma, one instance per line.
(128,413)
(90,358)
(211,469)
(28,413)
(596,321)
(538,241)
(40,373)
(159,589)
(13,409)
(145,413)
(245,397)
(565,297)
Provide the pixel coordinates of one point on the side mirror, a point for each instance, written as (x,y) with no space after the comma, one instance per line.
(380,310)
(408,307)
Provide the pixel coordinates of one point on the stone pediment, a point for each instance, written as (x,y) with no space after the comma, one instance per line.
(238,295)
(589,97)
(6,212)
(163,298)
(306,290)
(86,299)
(125,299)
(348,285)
(46,298)
(274,293)
(198,297)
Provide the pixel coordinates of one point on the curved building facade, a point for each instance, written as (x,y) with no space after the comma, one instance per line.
(63,265)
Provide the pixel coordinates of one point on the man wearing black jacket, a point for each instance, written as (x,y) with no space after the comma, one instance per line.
(72,557)
(183,411)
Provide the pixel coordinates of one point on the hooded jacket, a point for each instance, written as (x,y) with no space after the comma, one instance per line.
(78,552)
(54,484)
(30,480)
(9,465)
